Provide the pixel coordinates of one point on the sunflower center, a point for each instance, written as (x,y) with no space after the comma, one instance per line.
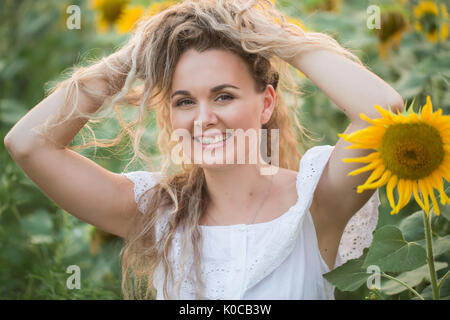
(412,151)
(429,23)
(112,9)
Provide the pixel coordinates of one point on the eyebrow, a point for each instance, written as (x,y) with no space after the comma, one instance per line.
(215,89)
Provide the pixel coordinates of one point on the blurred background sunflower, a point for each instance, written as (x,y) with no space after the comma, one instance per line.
(108,12)
(393,27)
(122,15)
(432,20)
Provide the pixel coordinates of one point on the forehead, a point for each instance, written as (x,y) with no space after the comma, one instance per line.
(210,68)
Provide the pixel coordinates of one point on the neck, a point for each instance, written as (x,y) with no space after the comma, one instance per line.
(236,192)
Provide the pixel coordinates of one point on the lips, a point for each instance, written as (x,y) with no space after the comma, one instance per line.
(212,139)
(219,144)
(211,133)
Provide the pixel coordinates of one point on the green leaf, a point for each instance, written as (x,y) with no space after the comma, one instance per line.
(11,110)
(436,64)
(445,212)
(412,227)
(411,278)
(391,253)
(349,276)
(440,245)
(410,84)
(38,223)
(444,293)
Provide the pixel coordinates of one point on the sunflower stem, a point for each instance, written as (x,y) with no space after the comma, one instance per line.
(443,279)
(430,256)
(403,284)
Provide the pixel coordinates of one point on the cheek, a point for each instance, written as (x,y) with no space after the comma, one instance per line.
(180,120)
(244,117)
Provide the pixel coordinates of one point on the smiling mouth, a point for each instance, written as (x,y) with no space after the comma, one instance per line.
(212,141)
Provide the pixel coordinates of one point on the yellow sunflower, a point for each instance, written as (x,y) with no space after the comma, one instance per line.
(393,26)
(126,22)
(109,11)
(413,152)
(324,5)
(157,7)
(443,34)
(428,17)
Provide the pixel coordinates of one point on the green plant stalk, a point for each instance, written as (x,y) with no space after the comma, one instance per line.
(430,256)
(403,284)
(442,280)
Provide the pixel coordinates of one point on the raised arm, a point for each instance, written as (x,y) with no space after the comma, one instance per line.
(354,89)
(75,183)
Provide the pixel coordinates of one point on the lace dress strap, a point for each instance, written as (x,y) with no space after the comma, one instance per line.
(358,233)
(143,180)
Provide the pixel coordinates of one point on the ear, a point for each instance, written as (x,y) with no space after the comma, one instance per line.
(269,100)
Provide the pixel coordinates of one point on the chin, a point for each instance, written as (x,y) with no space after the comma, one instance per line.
(215,166)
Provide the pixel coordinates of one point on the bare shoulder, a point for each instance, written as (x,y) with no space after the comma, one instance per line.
(285,185)
(286,179)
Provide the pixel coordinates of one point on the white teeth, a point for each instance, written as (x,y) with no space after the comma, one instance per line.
(211,140)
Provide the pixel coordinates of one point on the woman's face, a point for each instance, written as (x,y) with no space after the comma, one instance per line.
(211,92)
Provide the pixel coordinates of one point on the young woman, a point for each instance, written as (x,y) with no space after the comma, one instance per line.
(214,230)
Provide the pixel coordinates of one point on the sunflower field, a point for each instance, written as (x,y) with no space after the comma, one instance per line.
(409,49)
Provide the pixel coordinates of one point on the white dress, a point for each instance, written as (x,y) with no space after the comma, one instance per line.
(278,259)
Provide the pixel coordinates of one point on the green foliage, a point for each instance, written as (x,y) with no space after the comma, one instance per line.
(412,278)
(399,251)
(350,276)
(392,253)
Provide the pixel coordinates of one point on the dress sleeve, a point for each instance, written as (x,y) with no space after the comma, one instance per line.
(358,233)
(143,180)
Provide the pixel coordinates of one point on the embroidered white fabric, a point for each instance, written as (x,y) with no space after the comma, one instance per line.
(250,261)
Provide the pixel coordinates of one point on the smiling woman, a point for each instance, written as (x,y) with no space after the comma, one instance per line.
(218,109)
(209,230)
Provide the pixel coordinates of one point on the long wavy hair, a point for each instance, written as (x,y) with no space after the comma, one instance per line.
(140,74)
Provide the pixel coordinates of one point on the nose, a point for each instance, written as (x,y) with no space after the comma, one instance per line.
(206,116)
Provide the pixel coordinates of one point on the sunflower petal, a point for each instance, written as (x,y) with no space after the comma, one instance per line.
(400,187)
(366,159)
(424,192)
(399,118)
(372,133)
(417,197)
(406,193)
(446,173)
(433,199)
(382,181)
(413,118)
(427,109)
(369,145)
(443,123)
(375,122)
(389,191)
(446,147)
(378,172)
(436,115)
(370,166)
(385,113)
(440,186)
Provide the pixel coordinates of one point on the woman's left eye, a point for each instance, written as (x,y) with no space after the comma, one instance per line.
(226,95)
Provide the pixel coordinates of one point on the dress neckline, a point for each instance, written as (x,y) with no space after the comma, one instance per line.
(259,224)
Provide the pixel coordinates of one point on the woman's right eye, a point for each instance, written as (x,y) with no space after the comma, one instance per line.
(180,103)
